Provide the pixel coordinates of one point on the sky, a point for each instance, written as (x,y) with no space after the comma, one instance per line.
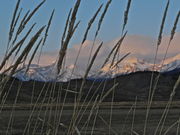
(144,20)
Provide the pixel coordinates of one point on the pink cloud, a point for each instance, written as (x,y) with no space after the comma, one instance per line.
(139,46)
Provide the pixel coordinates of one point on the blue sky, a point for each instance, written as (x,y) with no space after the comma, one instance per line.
(144,19)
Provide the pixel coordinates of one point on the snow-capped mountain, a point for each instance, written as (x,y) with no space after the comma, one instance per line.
(129,65)
(49,73)
(38,73)
(171,63)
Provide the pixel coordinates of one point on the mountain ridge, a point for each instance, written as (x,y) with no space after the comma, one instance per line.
(129,65)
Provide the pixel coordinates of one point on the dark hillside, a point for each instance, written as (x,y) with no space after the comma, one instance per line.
(129,86)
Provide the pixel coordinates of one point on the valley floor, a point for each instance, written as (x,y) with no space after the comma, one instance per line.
(125,119)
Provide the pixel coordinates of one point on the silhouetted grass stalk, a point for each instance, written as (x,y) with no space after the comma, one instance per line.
(150,96)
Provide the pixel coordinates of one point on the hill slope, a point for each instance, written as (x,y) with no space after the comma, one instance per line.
(129,86)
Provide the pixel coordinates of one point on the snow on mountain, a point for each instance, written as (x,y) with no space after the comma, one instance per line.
(129,65)
(38,73)
(171,63)
(49,73)
(172,59)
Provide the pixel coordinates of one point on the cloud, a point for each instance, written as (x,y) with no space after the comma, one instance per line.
(146,46)
(139,46)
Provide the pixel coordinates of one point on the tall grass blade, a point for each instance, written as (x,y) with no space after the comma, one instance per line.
(102,17)
(48,26)
(71,29)
(126,12)
(119,61)
(34,53)
(65,29)
(28,18)
(90,24)
(118,47)
(26,50)
(162,24)
(13,21)
(175,26)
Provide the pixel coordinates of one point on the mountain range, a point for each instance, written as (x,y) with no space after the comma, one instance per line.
(128,65)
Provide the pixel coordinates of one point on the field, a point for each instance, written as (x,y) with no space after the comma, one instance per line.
(123,120)
(47,112)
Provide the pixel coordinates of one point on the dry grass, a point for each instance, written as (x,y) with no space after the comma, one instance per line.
(126,12)
(99,27)
(12,26)
(25,20)
(20,54)
(33,55)
(90,24)
(119,42)
(162,24)
(117,48)
(119,61)
(71,29)
(48,26)
(152,89)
